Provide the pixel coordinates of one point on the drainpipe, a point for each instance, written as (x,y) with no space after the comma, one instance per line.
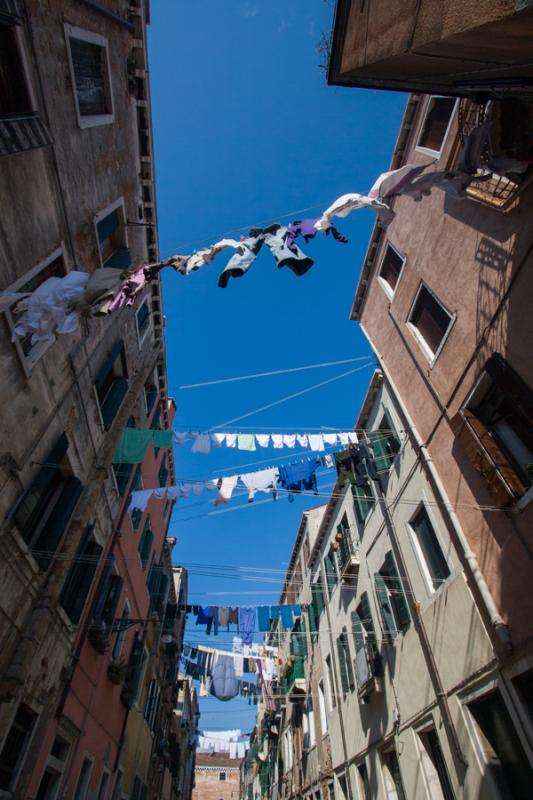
(498,629)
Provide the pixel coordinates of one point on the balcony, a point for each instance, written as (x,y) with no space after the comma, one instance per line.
(510,123)
(349,556)
(294,684)
(368,671)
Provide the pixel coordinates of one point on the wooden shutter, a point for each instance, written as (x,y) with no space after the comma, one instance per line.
(103,589)
(46,544)
(111,601)
(357,630)
(107,366)
(30,506)
(145,545)
(331,573)
(383,599)
(342,666)
(397,591)
(348,661)
(317,599)
(362,504)
(113,400)
(80,577)
(382,457)
(366,619)
(134,665)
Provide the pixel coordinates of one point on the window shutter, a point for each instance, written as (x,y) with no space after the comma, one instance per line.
(348,661)
(317,600)
(362,504)
(48,540)
(331,573)
(107,366)
(515,388)
(145,545)
(29,506)
(384,607)
(80,577)
(357,630)
(366,619)
(312,618)
(342,666)
(134,665)
(382,457)
(113,400)
(397,590)
(103,589)
(136,516)
(121,259)
(111,602)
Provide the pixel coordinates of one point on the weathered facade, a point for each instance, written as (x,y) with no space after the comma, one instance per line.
(394,685)
(448,47)
(77,192)
(216,777)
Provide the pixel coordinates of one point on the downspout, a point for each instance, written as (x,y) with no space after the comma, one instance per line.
(498,630)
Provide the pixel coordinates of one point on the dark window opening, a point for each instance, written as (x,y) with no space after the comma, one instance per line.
(345,664)
(89,65)
(16,745)
(438,115)
(112,241)
(392,774)
(391,597)
(437,764)
(143,319)
(430,319)
(112,384)
(80,577)
(432,554)
(391,267)
(14,96)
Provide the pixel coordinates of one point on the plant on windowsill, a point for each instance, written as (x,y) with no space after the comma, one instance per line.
(116,671)
(97,636)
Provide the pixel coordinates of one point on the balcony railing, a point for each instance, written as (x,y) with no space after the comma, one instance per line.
(294,683)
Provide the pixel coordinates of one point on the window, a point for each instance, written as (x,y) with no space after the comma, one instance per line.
(287,741)
(434,766)
(436,124)
(89,66)
(391,269)
(112,238)
(51,267)
(80,576)
(16,746)
(317,606)
(363,784)
(363,503)
(343,787)
(107,597)
(151,705)
(385,444)
(332,694)
(83,779)
(136,666)
(345,663)
(322,707)
(498,430)
(222,776)
(430,321)
(145,543)
(501,747)
(391,776)
(523,685)
(428,549)
(117,788)
(163,472)
(308,725)
(55,766)
(112,384)
(104,783)
(151,393)
(121,633)
(331,572)
(363,629)
(143,321)
(43,512)
(391,597)
(14,95)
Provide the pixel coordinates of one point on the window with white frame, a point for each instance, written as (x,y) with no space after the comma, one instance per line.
(55,766)
(91,76)
(143,321)
(322,707)
(434,766)
(430,321)
(436,124)
(15,746)
(500,746)
(111,231)
(53,266)
(84,777)
(391,268)
(428,548)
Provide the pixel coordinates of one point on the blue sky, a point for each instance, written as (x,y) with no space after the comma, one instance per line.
(247,132)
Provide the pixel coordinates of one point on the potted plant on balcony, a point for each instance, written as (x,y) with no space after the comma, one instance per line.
(97,636)
(116,671)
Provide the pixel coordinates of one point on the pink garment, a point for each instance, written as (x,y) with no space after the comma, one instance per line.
(395,181)
(226,490)
(131,287)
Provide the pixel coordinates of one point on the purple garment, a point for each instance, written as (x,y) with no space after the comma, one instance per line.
(247,623)
(306,229)
(134,283)
(213,613)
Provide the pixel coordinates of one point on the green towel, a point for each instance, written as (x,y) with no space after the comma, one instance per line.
(246,441)
(132,446)
(162,438)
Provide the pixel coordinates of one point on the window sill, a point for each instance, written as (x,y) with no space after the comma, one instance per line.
(95,121)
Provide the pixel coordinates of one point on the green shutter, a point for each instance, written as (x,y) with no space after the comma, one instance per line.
(348,661)
(386,611)
(382,457)
(318,599)
(111,601)
(313,626)
(80,577)
(331,572)
(121,259)
(113,400)
(342,666)
(145,544)
(103,589)
(136,516)
(134,666)
(122,475)
(366,619)
(362,504)
(357,630)
(48,540)
(397,591)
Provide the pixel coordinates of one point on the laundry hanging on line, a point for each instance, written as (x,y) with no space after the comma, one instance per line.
(134,443)
(202,442)
(295,477)
(246,618)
